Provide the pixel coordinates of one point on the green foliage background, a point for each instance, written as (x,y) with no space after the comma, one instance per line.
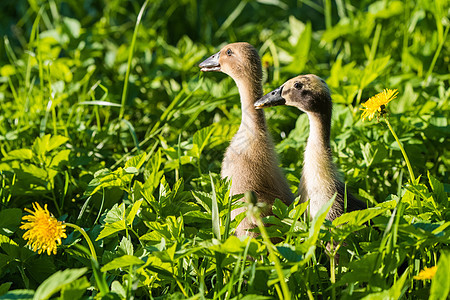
(106,118)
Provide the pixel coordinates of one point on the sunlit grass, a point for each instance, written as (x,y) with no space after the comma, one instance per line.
(106,120)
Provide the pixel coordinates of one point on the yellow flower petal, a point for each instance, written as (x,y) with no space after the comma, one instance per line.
(43,231)
(375,104)
(426,273)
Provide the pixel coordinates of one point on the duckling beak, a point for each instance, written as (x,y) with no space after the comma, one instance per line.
(273,98)
(211,63)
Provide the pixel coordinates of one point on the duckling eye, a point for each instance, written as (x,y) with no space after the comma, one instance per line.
(298,85)
(229,52)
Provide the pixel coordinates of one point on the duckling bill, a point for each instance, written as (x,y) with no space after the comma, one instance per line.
(273,98)
(211,63)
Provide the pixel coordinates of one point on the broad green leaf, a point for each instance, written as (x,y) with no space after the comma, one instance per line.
(136,161)
(317,222)
(358,217)
(203,199)
(339,72)
(438,189)
(289,253)
(122,262)
(196,214)
(344,93)
(125,247)
(55,142)
(43,267)
(296,27)
(231,245)
(373,153)
(299,209)
(337,31)
(111,228)
(118,178)
(373,70)
(167,255)
(342,232)
(4,287)
(61,156)
(146,191)
(56,282)
(279,209)
(154,237)
(134,210)
(396,290)
(60,71)
(272,220)
(157,227)
(393,293)
(6,240)
(73,26)
(33,171)
(175,225)
(75,289)
(117,288)
(154,264)
(440,285)
(200,140)
(20,154)
(116,213)
(7,70)
(10,220)
(131,170)
(40,145)
(300,56)
(152,173)
(13,251)
(379,10)
(361,270)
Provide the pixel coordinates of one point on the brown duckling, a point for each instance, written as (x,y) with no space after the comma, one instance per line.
(319,181)
(250,160)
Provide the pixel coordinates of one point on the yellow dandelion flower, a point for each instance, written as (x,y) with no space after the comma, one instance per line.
(376,103)
(43,231)
(426,273)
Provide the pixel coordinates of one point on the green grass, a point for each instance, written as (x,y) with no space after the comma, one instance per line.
(106,118)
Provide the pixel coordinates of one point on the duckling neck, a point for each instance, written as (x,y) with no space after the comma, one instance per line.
(318,168)
(252,119)
(319,132)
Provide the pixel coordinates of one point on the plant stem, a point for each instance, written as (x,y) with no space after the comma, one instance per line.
(328,14)
(55,201)
(408,164)
(332,270)
(436,54)
(86,237)
(130,57)
(273,257)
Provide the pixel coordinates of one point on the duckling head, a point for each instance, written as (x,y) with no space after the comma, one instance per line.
(238,60)
(308,93)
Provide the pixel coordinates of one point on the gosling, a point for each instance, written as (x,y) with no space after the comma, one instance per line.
(250,160)
(319,180)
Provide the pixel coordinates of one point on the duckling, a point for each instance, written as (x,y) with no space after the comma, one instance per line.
(319,180)
(250,160)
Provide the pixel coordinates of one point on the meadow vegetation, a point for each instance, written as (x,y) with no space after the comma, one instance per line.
(107,120)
